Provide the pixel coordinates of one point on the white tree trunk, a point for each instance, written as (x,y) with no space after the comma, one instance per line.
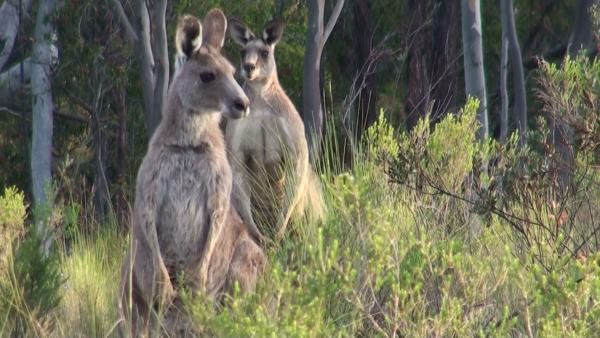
(148,33)
(509,33)
(41,143)
(503,86)
(473,60)
(10,15)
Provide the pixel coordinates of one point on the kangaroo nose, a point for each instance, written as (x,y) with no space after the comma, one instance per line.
(240,105)
(249,68)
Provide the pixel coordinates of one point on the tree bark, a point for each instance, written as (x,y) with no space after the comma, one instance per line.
(509,33)
(581,37)
(10,21)
(446,52)
(418,60)
(473,61)
(148,34)
(432,59)
(316,37)
(366,109)
(41,147)
(503,85)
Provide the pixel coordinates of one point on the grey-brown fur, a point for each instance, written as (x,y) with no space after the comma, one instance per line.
(268,150)
(182,203)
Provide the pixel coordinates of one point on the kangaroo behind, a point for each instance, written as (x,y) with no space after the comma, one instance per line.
(268,150)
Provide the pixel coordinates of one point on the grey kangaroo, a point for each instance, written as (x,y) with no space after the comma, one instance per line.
(268,150)
(183,225)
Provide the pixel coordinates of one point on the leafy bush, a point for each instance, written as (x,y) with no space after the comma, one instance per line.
(12,222)
(400,259)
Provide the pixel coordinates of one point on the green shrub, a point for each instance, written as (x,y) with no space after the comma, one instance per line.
(12,222)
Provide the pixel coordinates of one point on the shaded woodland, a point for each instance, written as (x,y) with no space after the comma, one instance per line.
(458,144)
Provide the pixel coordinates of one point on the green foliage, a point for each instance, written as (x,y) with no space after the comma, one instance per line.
(30,290)
(12,221)
(571,94)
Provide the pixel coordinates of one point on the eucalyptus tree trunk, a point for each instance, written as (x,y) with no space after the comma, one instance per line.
(509,34)
(13,78)
(43,106)
(473,61)
(10,21)
(503,85)
(146,29)
(316,36)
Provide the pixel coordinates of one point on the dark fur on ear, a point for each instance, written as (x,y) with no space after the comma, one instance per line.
(188,36)
(239,32)
(215,27)
(273,32)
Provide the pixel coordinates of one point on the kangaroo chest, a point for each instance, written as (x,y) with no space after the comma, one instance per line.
(183,214)
(262,140)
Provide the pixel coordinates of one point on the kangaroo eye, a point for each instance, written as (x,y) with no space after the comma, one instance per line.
(243,53)
(264,53)
(207,77)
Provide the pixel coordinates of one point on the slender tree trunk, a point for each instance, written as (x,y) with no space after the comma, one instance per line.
(509,32)
(102,201)
(473,61)
(10,22)
(418,60)
(582,37)
(311,88)
(503,85)
(316,36)
(446,51)
(147,31)
(41,148)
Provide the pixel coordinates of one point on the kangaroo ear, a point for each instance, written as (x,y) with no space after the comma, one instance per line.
(273,32)
(215,26)
(188,36)
(239,32)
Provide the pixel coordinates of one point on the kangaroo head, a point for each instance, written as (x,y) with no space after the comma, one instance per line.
(258,59)
(205,82)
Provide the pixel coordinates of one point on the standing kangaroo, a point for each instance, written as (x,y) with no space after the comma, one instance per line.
(268,150)
(182,202)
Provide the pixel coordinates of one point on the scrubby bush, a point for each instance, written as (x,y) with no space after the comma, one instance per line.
(12,222)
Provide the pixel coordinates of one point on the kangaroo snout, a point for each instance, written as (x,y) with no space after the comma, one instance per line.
(240,107)
(249,67)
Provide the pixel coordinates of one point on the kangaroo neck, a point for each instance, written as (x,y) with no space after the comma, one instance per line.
(184,127)
(259,87)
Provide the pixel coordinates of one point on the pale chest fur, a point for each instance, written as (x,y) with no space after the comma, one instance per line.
(185,183)
(261,139)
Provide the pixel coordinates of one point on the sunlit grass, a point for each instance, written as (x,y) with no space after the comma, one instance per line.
(92,268)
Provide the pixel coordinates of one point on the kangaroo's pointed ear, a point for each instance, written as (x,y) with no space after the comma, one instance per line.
(215,26)
(273,32)
(188,36)
(239,32)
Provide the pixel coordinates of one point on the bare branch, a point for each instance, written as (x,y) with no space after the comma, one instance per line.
(67,116)
(335,14)
(129,30)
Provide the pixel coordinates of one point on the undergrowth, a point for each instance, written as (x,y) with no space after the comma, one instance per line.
(431,233)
